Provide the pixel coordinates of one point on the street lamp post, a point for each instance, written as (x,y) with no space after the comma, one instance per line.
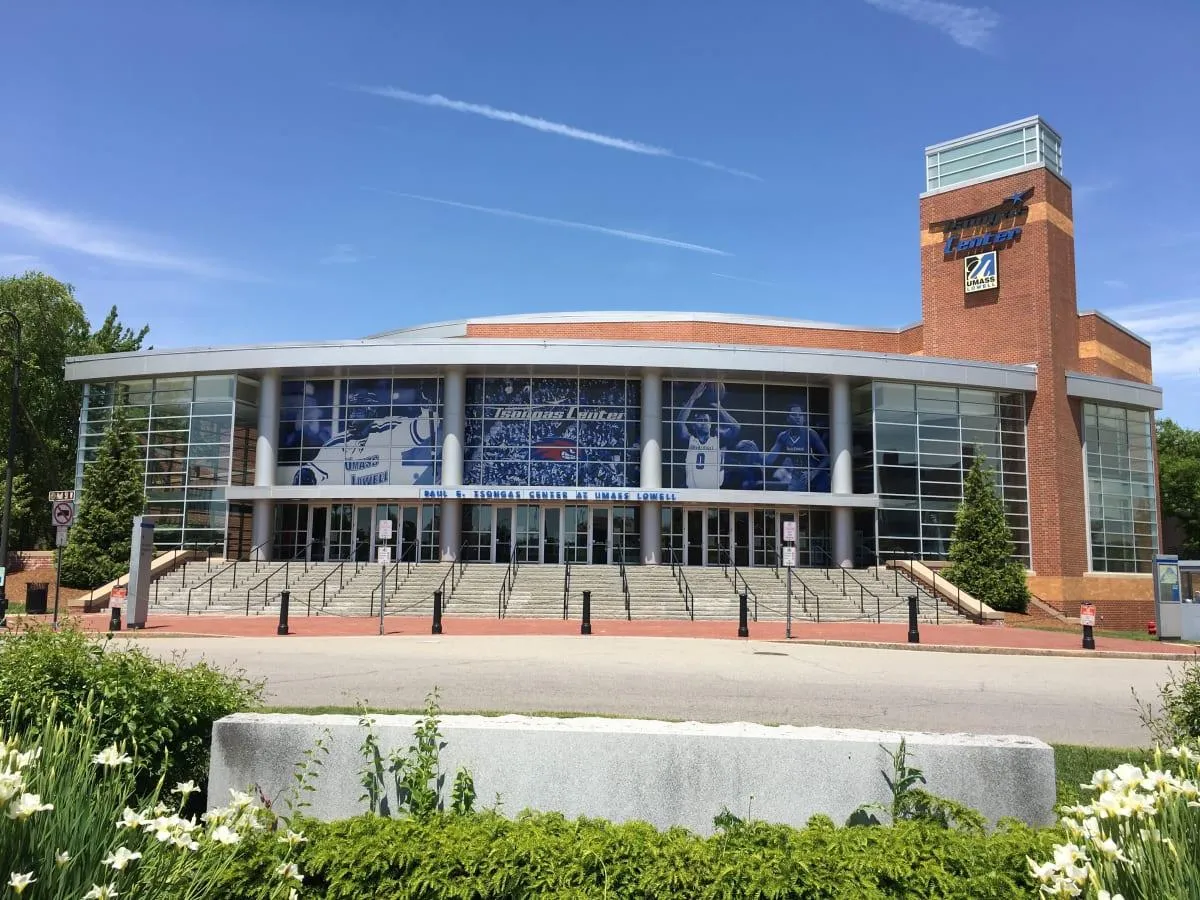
(11,461)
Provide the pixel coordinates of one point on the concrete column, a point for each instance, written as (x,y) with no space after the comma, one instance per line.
(651,464)
(265,460)
(842,469)
(454,416)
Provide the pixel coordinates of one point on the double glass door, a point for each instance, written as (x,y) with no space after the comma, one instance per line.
(530,533)
(745,537)
(350,532)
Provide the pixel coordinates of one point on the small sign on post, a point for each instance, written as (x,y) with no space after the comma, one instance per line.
(789,531)
(385,529)
(62,513)
(384,555)
(63,496)
(1087,614)
(60,536)
(789,557)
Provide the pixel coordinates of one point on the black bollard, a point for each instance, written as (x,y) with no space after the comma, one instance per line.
(437,612)
(114,619)
(914,633)
(285,600)
(586,626)
(1089,639)
(743,616)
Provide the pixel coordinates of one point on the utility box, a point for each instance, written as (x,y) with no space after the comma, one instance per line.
(141,556)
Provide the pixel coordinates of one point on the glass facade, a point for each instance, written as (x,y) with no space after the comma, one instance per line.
(194,435)
(349,431)
(553,432)
(993,153)
(745,436)
(1121,497)
(925,438)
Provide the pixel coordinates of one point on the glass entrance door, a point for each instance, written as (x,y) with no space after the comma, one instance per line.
(766,538)
(741,537)
(600,535)
(718,536)
(504,534)
(576,535)
(551,541)
(527,533)
(363,533)
(341,532)
(319,532)
(626,535)
(387,511)
(695,537)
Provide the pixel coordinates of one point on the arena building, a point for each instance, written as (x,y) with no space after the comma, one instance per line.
(695,437)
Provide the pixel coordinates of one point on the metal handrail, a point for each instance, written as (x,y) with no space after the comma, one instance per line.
(254,554)
(566,589)
(453,579)
(395,573)
(625,588)
(685,589)
(937,591)
(510,577)
(746,587)
(209,581)
(340,571)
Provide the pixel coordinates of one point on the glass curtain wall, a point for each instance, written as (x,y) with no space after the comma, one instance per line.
(1122,514)
(924,441)
(185,428)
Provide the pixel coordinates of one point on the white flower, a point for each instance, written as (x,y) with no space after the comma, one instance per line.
(185,789)
(217,816)
(1105,895)
(111,757)
(26,805)
(18,881)
(62,858)
(223,834)
(132,819)
(120,859)
(101,892)
(294,894)
(161,809)
(1109,849)
(240,799)
(1066,855)
(1042,872)
(24,759)
(289,870)
(292,838)
(11,784)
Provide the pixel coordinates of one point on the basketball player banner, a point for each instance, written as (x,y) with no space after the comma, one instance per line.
(746,437)
(363,431)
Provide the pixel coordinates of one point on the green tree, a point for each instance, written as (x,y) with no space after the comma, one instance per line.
(53,328)
(981,549)
(1179,480)
(112,495)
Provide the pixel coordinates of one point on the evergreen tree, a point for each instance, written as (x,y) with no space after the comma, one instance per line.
(981,550)
(112,495)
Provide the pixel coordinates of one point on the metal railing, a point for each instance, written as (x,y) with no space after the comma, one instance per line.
(625,589)
(228,567)
(944,588)
(685,589)
(566,589)
(340,572)
(394,572)
(506,586)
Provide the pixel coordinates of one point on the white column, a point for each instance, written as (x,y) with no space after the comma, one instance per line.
(842,471)
(454,415)
(265,461)
(651,464)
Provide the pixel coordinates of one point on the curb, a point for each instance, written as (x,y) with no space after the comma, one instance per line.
(993,651)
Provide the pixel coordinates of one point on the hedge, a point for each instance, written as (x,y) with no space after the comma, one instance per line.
(537,855)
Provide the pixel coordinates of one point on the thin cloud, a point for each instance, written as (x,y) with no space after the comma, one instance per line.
(967,26)
(1172,328)
(545,125)
(1116,284)
(1086,189)
(68,233)
(17,259)
(565,223)
(342,255)
(770,284)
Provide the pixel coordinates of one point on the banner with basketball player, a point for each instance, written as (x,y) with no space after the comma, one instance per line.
(553,432)
(745,436)
(360,431)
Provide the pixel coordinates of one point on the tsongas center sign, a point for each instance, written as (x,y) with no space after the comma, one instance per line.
(993,219)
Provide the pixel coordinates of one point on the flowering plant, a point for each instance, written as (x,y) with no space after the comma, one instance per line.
(73,827)
(1140,836)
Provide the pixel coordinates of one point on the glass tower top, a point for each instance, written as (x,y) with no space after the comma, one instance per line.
(1015,147)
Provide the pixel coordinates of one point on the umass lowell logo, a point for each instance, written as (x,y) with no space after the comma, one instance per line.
(997,222)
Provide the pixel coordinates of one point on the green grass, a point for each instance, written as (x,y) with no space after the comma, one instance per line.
(1073,763)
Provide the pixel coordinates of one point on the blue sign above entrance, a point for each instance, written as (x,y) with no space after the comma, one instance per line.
(524,493)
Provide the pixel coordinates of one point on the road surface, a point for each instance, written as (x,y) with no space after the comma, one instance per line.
(1084,701)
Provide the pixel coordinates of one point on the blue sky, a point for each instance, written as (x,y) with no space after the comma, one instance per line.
(254,171)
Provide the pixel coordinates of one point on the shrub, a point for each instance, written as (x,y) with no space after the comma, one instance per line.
(1178,719)
(484,855)
(68,829)
(162,710)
